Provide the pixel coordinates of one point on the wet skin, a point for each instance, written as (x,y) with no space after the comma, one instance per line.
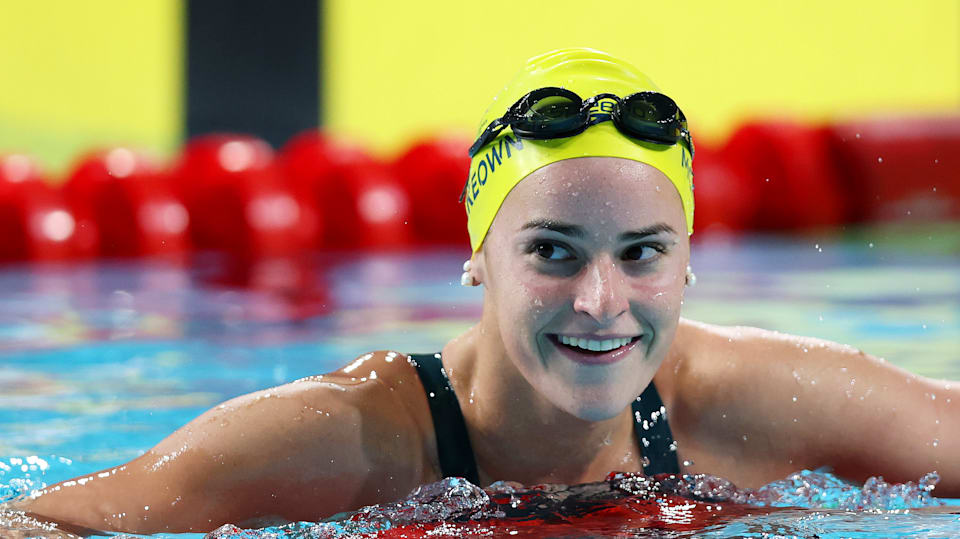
(591,248)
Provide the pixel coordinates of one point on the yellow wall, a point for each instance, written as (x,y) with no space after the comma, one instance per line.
(397,69)
(77,74)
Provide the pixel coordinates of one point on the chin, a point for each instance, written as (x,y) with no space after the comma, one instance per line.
(597,413)
(595,403)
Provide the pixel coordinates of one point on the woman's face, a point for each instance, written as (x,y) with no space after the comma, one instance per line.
(584,271)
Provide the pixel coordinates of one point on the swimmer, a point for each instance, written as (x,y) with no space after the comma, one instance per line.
(580,204)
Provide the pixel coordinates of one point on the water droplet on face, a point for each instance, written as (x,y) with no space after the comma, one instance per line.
(794,398)
(936,442)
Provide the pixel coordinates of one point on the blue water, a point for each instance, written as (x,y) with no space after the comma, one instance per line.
(99,361)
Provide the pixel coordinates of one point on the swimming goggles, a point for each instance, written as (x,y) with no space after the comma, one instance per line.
(550,113)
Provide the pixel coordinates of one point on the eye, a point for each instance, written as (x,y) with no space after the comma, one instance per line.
(643,251)
(552,251)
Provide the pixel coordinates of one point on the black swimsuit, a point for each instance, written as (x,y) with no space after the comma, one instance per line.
(453,443)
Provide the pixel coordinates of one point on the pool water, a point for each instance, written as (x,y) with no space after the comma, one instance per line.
(101,360)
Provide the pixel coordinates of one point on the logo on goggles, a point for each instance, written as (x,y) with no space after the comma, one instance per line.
(602,110)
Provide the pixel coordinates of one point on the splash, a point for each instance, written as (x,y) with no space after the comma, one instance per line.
(623,505)
(815,490)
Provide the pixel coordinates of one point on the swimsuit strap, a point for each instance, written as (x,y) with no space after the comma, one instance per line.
(653,432)
(453,443)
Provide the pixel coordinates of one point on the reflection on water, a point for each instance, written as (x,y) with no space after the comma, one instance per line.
(624,505)
(99,361)
(805,504)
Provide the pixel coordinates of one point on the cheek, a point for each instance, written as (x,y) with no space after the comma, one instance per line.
(663,291)
(536,298)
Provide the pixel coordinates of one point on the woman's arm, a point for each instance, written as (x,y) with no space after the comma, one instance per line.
(779,403)
(301,451)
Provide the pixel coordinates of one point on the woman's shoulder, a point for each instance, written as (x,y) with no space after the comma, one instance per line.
(381,387)
(740,368)
(371,413)
(715,349)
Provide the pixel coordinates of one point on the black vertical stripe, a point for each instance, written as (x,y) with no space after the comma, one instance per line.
(253,66)
(453,440)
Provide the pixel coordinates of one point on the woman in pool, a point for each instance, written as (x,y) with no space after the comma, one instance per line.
(579,219)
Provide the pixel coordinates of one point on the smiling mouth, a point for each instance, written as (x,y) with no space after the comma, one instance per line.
(591,346)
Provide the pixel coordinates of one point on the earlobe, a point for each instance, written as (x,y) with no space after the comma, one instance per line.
(690,278)
(469,275)
(466,279)
(474,270)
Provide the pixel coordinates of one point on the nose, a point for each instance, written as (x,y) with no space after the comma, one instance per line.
(600,291)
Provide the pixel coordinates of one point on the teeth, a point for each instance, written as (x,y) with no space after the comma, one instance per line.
(595,346)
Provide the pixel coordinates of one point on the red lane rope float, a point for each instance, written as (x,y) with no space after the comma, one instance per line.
(35,221)
(239,202)
(624,518)
(127,201)
(227,192)
(432,172)
(789,166)
(725,201)
(905,169)
(362,203)
(623,505)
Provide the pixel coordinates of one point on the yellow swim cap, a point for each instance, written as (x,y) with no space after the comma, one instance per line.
(505,161)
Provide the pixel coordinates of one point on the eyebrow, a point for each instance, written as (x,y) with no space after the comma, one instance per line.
(577,231)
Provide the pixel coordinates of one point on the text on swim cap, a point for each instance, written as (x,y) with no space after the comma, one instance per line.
(488,164)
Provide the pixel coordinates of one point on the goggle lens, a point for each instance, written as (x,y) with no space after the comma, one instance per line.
(547,117)
(651,116)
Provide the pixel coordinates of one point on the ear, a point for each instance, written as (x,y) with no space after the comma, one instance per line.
(478,265)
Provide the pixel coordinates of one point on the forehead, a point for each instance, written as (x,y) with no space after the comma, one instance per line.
(611,190)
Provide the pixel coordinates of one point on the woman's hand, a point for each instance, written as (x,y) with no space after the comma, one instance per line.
(16,524)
